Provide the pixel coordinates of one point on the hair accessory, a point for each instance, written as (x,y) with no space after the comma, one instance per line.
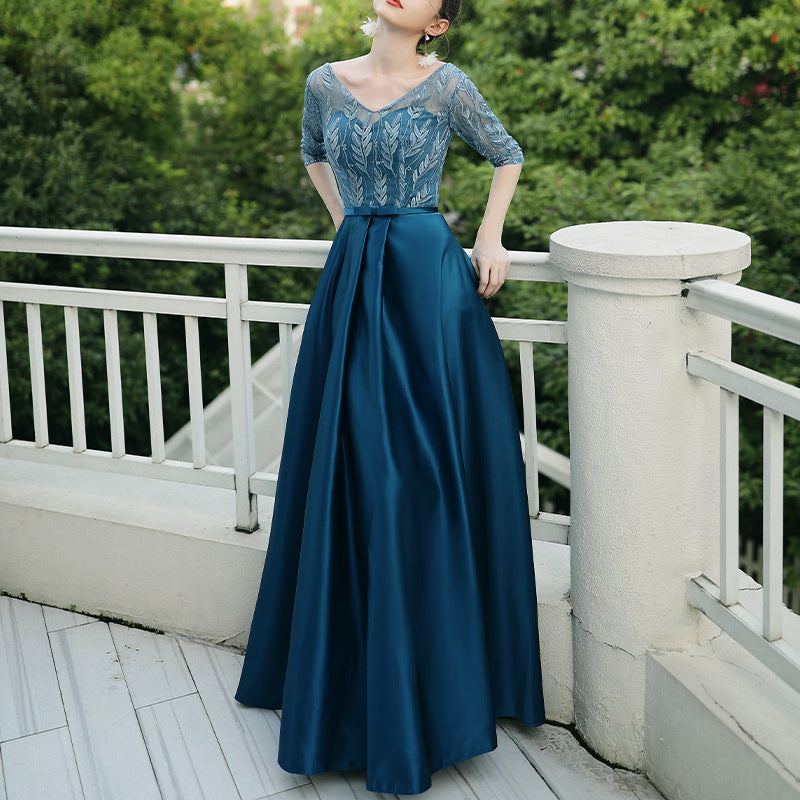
(428,59)
(369,26)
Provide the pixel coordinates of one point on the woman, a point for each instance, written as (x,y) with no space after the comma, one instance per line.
(397,616)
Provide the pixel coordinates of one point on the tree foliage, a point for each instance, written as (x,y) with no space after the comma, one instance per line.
(668,110)
(156,116)
(165,115)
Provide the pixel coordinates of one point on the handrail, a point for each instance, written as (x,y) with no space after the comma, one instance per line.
(780,318)
(257,252)
(757,310)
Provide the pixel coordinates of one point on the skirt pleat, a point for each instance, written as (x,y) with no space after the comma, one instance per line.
(397,614)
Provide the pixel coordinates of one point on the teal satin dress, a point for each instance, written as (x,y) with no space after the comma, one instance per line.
(397,617)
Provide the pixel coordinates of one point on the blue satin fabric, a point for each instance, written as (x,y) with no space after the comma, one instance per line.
(397,614)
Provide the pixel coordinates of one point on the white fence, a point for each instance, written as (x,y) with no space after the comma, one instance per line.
(781,318)
(751,558)
(239,312)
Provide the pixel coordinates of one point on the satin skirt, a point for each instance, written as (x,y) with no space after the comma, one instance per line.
(397,617)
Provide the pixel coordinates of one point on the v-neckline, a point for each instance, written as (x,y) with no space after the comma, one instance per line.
(388,105)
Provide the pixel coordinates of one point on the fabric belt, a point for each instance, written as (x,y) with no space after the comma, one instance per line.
(367,211)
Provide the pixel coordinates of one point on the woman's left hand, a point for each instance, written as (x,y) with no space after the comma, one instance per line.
(491,261)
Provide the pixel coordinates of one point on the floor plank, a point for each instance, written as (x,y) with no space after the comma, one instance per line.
(504,773)
(112,759)
(186,756)
(57,619)
(446,784)
(30,701)
(305,792)
(349,784)
(248,736)
(154,667)
(41,767)
(571,771)
(201,742)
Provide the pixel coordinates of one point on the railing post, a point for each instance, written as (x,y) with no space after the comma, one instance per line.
(244,456)
(529,423)
(5,397)
(644,448)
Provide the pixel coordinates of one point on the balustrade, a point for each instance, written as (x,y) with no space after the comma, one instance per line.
(237,255)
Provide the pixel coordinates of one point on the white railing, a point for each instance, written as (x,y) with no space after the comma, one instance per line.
(239,312)
(751,559)
(781,318)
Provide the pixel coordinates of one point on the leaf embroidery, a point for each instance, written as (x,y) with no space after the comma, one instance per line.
(394,156)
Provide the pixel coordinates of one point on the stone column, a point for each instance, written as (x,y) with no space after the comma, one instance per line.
(644,452)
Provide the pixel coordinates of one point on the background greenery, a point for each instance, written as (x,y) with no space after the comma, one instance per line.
(183,117)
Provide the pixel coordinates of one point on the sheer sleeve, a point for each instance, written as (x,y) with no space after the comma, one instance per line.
(312,143)
(473,120)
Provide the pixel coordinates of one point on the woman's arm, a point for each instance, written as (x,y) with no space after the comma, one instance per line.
(490,259)
(324,182)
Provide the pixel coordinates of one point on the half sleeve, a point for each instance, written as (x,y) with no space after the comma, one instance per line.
(312,143)
(473,120)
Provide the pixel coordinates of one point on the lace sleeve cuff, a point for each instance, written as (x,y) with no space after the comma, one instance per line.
(473,120)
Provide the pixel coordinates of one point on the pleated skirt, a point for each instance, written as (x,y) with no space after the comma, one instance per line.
(397,618)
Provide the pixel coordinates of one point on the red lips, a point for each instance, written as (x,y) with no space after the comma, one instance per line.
(394,3)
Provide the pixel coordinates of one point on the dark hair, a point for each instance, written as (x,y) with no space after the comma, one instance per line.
(449,10)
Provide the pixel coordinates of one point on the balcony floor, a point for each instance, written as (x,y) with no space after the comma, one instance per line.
(108,712)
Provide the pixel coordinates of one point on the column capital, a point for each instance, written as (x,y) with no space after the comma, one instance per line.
(647,257)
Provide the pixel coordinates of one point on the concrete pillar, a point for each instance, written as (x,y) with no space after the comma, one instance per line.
(644,452)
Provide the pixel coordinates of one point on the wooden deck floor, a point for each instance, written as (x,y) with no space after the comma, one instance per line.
(100,711)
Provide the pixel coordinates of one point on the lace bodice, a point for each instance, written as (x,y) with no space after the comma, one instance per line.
(393,156)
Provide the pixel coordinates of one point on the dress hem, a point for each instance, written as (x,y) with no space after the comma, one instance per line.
(466,755)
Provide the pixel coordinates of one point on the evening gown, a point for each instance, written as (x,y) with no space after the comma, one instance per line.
(397,618)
